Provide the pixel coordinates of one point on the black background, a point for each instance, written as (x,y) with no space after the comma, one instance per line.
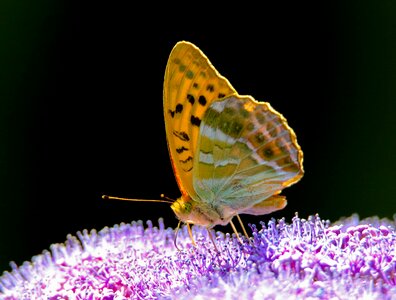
(81,107)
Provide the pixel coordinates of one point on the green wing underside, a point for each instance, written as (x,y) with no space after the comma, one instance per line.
(246,153)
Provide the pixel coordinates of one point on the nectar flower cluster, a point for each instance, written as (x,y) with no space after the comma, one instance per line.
(306,259)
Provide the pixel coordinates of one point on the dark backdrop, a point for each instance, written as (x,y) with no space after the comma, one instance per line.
(81,107)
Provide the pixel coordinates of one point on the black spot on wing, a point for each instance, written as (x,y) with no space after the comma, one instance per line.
(210,88)
(179,108)
(221,95)
(195,121)
(181,149)
(268,152)
(202,100)
(181,135)
(186,160)
(260,138)
(190,98)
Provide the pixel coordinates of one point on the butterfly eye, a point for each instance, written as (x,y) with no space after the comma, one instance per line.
(187,207)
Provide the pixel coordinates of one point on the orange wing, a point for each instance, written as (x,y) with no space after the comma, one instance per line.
(191,84)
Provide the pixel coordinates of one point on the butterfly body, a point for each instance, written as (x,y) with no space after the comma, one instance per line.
(230,153)
(199,212)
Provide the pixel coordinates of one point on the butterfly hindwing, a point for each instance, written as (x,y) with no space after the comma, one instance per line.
(191,84)
(246,153)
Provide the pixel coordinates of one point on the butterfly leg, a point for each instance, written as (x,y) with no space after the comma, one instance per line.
(212,239)
(176,232)
(191,235)
(236,232)
(243,227)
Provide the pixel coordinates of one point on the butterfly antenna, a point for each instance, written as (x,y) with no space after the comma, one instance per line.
(165,200)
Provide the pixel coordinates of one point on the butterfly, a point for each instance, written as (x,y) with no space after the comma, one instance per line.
(230,154)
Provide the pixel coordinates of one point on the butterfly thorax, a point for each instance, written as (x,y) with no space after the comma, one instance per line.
(197,212)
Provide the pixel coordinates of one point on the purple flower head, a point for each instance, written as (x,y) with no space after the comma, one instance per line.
(350,259)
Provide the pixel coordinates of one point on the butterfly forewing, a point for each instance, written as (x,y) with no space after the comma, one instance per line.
(246,153)
(191,84)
